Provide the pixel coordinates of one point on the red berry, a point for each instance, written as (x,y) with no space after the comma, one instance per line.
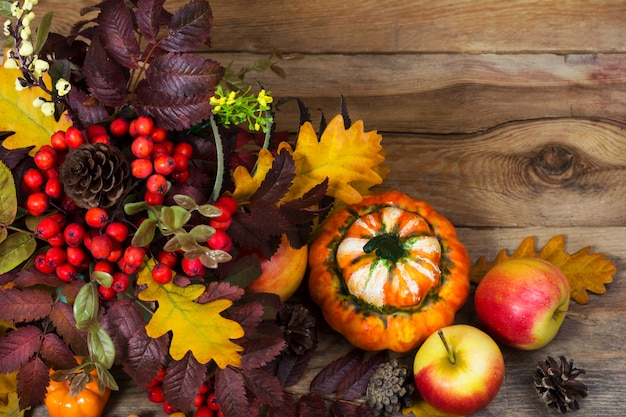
(162,273)
(221,225)
(96,217)
(116,252)
(225,212)
(117,231)
(153,199)
(119,127)
(204,411)
(159,134)
(95,131)
(183,148)
(57,240)
(74,234)
(211,402)
(57,140)
(45,158)
(106,293)
(54,188)
(229,202)
(33,178)
(47,228)
(192,267)
(101,247)
(74,137)
(155,394)
(37,204)
(104,266)
(144,125)
(43,266)
(141,147)
(181,162)
(141,168)
(132,260)
(106,139)
(159,149)
(157,184)
(51,173)
(180,177)
(168,258)
(199,400)
(164,164)
(77,256)
(66,272)
(55,256)
(220,240)
(120,282)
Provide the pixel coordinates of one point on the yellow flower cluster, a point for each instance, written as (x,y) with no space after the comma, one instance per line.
(234,108)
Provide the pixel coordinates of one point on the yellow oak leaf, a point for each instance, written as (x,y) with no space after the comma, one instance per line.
(421,408)
(9,401)
(195,327)
(346,157)
(584,271)
(246,184)
(31,126)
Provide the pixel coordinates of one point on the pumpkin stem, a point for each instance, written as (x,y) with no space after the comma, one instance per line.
(386,245)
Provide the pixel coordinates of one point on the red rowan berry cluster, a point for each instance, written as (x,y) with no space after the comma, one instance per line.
(205,400)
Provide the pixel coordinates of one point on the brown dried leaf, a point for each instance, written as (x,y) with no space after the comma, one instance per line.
(584,271)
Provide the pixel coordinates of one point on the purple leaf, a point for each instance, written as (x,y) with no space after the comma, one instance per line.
(17,347)
(182,381)
(121,321)
(106,79)
(189,28)
(290,368)
(264,387)
(32,381)
(329,378)
(277,180)
(19,306)
(355,382)
(56,353)
(231,392)
(311,405)
(260,351)
(288,408)
(115,23)
(217,290)
(146,356)
(343,409)
(148,15)
(248,315)
(62,318)
(183,75)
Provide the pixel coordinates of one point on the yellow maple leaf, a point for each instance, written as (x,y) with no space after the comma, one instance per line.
(584,271)
(195,327)
(31,126)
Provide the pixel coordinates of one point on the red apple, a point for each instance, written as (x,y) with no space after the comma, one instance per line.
(283,272)
(458,370)
(522,302)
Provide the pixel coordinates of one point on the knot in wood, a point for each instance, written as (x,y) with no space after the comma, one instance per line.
(555,163)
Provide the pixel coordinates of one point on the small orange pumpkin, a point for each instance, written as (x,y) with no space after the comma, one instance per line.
(388,272)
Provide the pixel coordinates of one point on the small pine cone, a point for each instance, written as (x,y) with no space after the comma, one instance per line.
(299,328)
(390,388)
(556,385)
(95,175)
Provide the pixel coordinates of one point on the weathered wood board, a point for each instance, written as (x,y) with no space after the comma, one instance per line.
(508,117)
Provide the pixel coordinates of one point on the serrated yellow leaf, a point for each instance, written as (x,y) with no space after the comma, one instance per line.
(9,401)
(246,184)
(584,271)
(421,408)
(348,158)
(31,126)
(195,327)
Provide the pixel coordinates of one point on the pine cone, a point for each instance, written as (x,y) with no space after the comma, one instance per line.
(299,328)
(389,388)
(95,175)
(556,385)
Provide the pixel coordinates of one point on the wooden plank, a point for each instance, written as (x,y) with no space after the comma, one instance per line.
(354,26)
(447,93)
(563,172)
(594,343)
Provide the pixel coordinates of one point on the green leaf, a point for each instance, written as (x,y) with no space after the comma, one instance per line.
(42,31)
(91,325)
(172,245)
(5,9)
(8,196)
(102,278)
(3,234)
(105,379)
(186,241)
(145,233)
(185,201)
(86,304)
(202,232)
(16,248)
(101,346)
(209,210)
(174,217)
(135,208)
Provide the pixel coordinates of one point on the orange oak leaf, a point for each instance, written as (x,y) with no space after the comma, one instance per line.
(584,271)
(195,327)
(31,126)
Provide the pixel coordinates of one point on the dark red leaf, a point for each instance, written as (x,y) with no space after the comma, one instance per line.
(260,351)
(146,356)
(55,353)
(62,318)
(121,321)
(88,110)
(365,410)
(290,368)
(354,384)
(20,306)
(231,392)
(277,180)
(189,28)
(115,23)
(264,387)
(106,78)
(12,157)
(184,75)
(32,381)
(289,408)
(149,18)
(182,381)
(343,409)
(216,290)
(244,271)
(329,378)
(17,347)
(248,315)
(31,277)
(311,405)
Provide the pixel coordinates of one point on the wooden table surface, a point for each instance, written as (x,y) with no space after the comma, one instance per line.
(508,117)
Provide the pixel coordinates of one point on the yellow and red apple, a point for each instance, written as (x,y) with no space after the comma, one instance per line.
(283,272)
(459,369)
(522,302)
